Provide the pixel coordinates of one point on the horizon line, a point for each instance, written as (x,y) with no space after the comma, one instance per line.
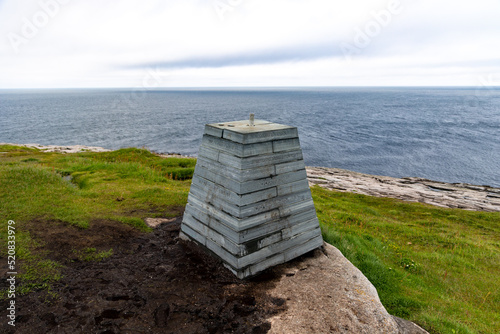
(252,87)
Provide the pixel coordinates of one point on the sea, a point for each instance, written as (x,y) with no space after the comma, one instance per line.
(445,134)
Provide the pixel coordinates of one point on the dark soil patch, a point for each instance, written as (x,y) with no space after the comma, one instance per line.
(156,211)
(64,242)
(154,283)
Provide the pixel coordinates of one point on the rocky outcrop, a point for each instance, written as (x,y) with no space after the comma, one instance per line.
(449,195)
(83,148)
(325,293)
(62,149)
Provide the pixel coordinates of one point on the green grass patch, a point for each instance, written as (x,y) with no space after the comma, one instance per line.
(135,222)
(36,272)
(91,254)
(437,267)
(126,186)
(13,149)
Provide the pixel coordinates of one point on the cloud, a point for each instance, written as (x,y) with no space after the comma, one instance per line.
(302,42)
(294,53)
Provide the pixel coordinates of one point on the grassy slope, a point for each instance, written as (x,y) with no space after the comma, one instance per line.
(126,185)
(438,267)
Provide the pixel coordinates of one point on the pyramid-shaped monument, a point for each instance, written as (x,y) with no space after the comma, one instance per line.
(250,201)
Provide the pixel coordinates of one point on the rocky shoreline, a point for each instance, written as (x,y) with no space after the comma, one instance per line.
(83,148)
(62,149)
(450,195)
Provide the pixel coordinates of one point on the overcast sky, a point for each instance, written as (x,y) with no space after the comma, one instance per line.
(226,43)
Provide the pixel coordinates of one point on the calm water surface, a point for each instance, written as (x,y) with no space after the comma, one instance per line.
(445,134)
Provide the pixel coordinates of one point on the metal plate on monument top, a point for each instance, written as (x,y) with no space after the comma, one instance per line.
(242,132)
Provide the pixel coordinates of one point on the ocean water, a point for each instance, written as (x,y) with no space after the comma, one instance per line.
(445,134)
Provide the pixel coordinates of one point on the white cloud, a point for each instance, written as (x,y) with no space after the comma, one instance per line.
(282,42)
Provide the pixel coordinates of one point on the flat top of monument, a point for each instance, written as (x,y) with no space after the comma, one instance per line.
(245,127)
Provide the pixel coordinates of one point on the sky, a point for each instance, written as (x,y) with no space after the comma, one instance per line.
(248,43)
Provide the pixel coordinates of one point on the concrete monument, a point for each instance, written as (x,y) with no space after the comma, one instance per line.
(250,201)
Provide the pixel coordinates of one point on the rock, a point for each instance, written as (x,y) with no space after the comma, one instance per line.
(408,327)
(154,222)
(62,149)
(414,189)
(325,293)
(83,148)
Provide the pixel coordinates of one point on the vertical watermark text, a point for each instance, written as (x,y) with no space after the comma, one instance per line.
(11,273)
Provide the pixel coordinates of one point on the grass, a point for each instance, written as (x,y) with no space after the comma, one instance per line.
(91,254)
(437,267)
(127,186)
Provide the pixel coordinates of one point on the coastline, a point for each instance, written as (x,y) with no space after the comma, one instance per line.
(413,189)
(62,149)
(84,148)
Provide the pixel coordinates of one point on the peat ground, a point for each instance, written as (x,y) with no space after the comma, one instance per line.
(153,283)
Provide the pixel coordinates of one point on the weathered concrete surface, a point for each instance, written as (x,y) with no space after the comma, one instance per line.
(249,197)
(325,293)
(449,195)
(241,132)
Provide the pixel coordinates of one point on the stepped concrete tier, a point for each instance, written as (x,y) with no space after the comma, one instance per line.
(250,201)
